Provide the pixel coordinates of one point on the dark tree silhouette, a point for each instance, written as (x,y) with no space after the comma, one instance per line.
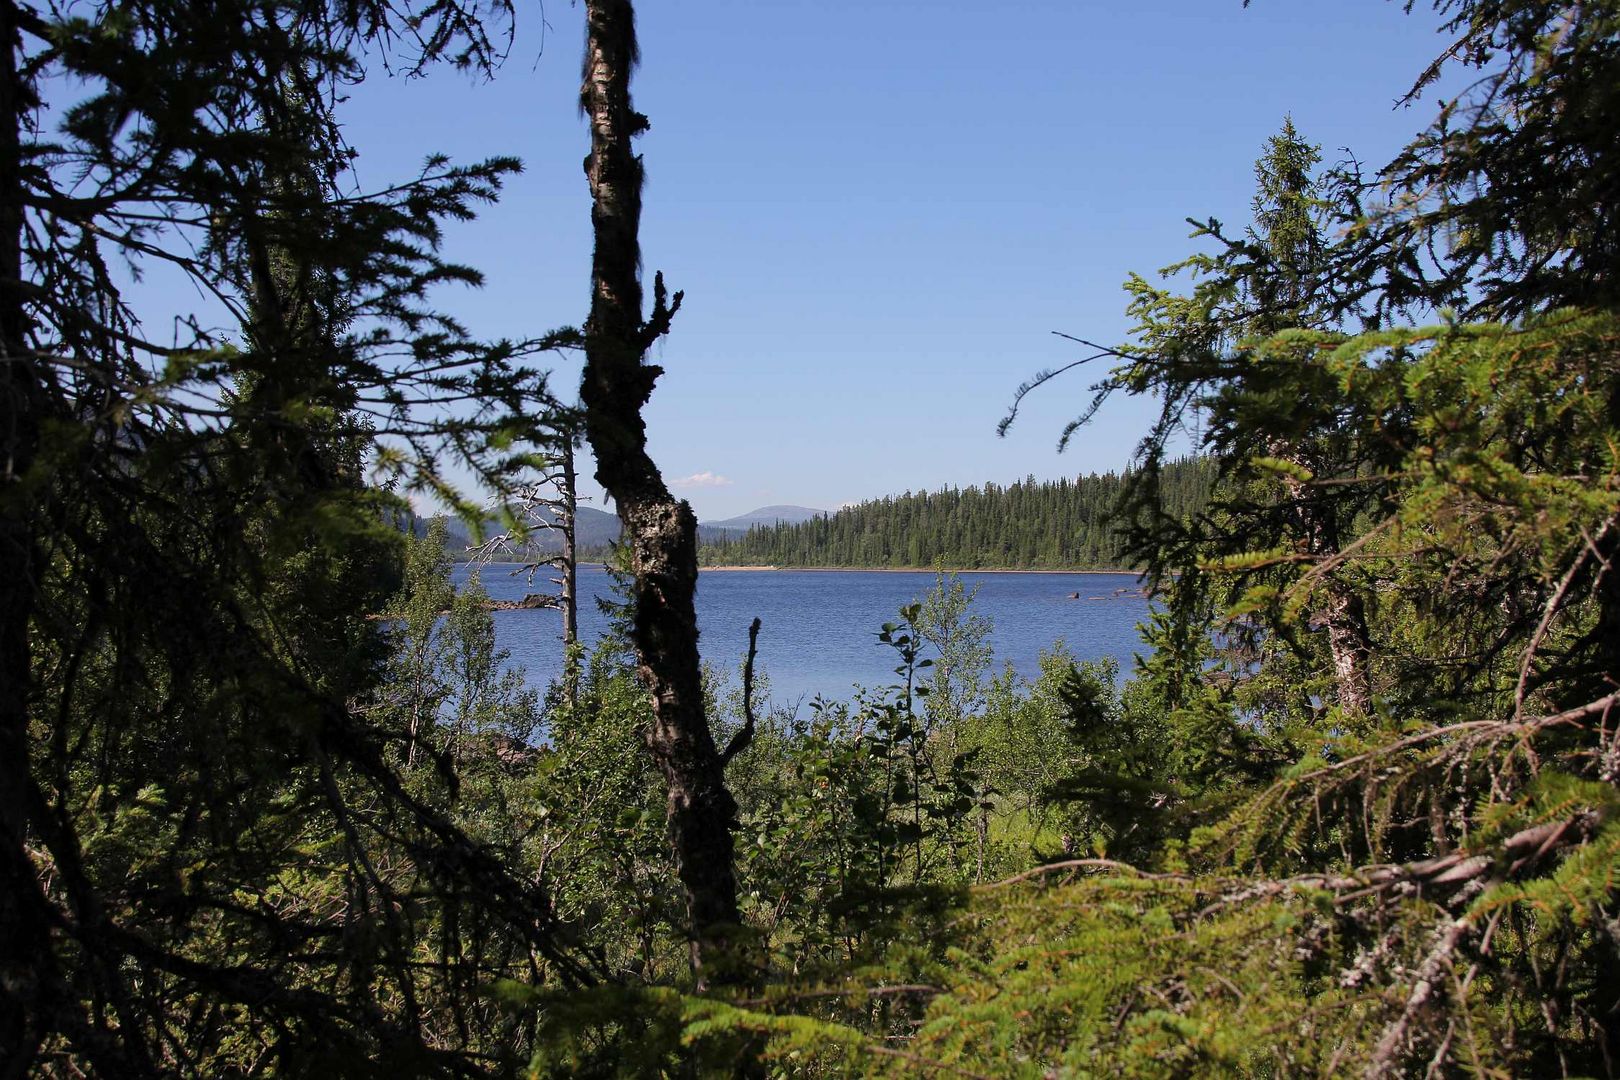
(659,529)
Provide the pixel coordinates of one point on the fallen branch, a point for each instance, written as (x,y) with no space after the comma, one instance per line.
(1081,864)
(899,990)
(1479,729)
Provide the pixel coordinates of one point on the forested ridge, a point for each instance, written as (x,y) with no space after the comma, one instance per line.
(1028,524)
(273,803)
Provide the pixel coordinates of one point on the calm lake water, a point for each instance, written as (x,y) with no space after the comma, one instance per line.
(819,628)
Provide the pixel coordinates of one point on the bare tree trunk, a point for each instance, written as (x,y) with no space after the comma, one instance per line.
(567,519)
(568,515)
(660,530)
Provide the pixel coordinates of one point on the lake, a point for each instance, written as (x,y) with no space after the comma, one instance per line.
(819,627)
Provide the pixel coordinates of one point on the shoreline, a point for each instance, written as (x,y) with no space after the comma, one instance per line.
(766,568)
(910,570)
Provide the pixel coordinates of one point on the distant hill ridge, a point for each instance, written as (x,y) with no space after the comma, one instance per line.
(1057,524)
(765,515)
(596,529)
(1029,524)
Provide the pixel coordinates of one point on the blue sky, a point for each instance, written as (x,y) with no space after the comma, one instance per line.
(879,211)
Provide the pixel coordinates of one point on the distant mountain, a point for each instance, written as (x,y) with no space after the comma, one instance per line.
(594,530)
(765,515)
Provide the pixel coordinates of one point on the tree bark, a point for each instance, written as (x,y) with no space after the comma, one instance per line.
(568,518)
(660,530)
(1344,616)
(1350,647)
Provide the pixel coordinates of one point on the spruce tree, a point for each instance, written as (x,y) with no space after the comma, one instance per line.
(196,796)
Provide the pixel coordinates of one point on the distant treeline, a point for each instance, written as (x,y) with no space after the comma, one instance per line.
(1030,524)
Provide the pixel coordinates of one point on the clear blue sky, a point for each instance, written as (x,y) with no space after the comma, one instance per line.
(879,211)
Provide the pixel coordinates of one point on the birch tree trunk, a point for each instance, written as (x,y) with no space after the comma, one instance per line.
(660,530)
(1348,643)
(1344,616)
(568,518)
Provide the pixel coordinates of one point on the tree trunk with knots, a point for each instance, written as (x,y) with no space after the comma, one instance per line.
(659,530)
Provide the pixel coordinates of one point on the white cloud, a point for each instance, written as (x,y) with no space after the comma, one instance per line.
(701,480)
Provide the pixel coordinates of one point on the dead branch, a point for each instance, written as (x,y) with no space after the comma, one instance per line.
(1477,731)
(741,740)
(1554,603)
(1385,1059)
(1082,864)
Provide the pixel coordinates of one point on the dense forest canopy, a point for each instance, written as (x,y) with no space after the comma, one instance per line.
(1028,524)
(272,802)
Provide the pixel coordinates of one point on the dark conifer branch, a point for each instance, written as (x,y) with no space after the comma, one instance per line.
(1040,379)
(34,997)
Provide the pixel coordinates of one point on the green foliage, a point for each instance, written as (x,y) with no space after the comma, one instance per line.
(855,816)
(281,805)
(600,836)
(213,853)
(1067,524)
(1371,745)
(1503,206)
(961,645)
